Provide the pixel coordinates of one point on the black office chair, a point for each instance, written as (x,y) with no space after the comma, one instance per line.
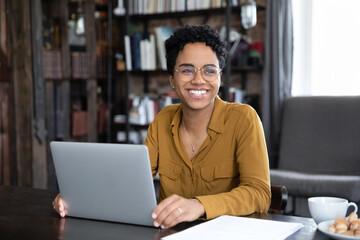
(279,196)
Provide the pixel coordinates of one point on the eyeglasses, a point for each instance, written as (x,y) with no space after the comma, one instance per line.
(209,73)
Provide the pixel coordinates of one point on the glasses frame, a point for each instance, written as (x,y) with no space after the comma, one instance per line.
(201,70)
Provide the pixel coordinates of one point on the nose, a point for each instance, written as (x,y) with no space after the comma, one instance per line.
(198,77)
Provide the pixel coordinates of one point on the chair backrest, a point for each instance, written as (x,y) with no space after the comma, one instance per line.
(321,135)
(279,196)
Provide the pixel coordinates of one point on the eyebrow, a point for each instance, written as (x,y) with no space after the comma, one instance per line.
(191,65)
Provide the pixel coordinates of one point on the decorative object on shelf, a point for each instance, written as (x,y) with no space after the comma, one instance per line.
(120,63)
(120,10)
(80,22)
(233,35)
(248,13)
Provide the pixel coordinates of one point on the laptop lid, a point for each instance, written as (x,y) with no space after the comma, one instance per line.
(103,181)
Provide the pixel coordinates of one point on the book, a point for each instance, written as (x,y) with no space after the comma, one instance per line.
(143,63)
(80,65)
(162,33)
(135,50)
(59,111)
(152,52)
(52,64)
(128,60)
(79,123)
(102,118)
(236,95)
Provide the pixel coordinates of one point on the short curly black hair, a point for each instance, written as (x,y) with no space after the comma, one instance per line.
(193,34)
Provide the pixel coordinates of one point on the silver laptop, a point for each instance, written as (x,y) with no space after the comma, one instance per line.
(102,181)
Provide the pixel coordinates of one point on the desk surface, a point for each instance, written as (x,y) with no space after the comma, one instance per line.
(27,213)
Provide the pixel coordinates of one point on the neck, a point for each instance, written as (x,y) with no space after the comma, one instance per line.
(194,127)
(196,121)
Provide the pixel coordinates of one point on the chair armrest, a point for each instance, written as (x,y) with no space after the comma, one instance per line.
(308,185)
(279,196)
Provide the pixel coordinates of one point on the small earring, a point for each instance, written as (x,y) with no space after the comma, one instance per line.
(173,87)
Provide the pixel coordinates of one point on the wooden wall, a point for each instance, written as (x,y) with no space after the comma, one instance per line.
(7,168)
(29,146)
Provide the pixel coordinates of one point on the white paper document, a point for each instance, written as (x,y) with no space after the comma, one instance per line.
(230,227)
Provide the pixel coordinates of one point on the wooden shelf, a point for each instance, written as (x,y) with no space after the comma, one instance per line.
(182,14)
(124,22)
(143,71)
(245,68)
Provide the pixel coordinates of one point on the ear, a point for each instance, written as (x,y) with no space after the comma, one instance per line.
(172,81)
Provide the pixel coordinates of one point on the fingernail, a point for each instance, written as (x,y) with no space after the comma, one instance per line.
(60,208)
(153,215)
(156,224)
(163,227)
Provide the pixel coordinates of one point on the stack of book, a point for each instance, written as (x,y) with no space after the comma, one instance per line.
(80,65)
(101,66)
(236,95)
(144,109)
(52,64)
(147,52)
(163,6)
(79,123)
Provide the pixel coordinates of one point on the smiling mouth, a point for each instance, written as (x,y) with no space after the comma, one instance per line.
(197,92)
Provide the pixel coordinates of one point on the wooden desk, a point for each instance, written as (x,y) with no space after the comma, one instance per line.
(27,213)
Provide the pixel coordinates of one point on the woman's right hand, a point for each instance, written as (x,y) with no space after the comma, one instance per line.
(59,205)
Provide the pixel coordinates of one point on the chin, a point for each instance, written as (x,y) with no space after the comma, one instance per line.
(199,105)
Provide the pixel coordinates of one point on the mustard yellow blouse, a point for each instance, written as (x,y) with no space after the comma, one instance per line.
(229,174)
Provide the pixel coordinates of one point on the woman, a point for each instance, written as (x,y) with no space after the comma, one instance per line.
(210,155)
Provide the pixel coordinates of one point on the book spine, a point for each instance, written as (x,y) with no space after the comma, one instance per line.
(128,60)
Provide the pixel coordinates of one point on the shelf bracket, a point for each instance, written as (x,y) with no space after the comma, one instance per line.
(180,22)
(206,18)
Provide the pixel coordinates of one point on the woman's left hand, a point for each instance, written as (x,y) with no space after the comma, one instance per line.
(176,209)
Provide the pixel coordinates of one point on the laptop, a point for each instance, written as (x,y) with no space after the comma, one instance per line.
(103,181)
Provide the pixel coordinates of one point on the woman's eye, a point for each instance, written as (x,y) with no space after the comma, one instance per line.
(187,71)
(209,71)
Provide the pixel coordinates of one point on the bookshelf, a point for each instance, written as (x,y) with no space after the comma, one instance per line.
(149,20)
(41,97)
(76,69)
(75,73)
(45,90)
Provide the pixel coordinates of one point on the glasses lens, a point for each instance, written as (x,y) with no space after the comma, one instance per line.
(209,73)
(187,71)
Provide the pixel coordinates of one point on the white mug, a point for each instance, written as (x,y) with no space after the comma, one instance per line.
(329,208)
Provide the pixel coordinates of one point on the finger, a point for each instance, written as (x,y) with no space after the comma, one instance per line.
(169,212)
(174,218)
(163,204)
(54,203)
(163,210)
(61,208)
(190,210)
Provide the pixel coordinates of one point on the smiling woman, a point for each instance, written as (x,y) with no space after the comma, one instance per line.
(210,155)
(195,89)
(204,149)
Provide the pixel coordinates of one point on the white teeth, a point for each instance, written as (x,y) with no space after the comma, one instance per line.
(197,92)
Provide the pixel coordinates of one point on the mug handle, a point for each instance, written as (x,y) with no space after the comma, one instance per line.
(354,205)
